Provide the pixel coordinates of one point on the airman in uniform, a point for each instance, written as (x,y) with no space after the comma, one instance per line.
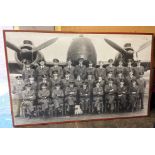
(42,70)
(80,69)
(129,68)
(69,68)
(44,98)
(101,81)
(78,85)
(110,96)
(56,68)
(100,71)
(138,70)
(90,80)
(46,81)
(129,79)
(110,76)
(28,72)
(122,97)
(70,98)
(33,83)
(97,98)
(90,70)
(120,68)
(29,97)
(55,80)
(133,96)
(57,98)
(85,98)
(18,87)
(66,81)
(142,85)
(119,78)
(111,68)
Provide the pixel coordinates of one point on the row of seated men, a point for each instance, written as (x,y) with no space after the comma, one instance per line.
(56,95)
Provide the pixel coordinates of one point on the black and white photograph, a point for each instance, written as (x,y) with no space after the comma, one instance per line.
(64,77)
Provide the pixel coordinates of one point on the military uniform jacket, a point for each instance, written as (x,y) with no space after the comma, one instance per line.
(42,71)
(90,71)
(78,83)
(111,69)
(57,93)
(120,69)
(141,84)
(111,90)
(43,94)
(27,73)
(97,92)
(80,70)
(90,83)
(29,95)
(121,90)
(134,90)
(129,80)
(65,83)
(138,71)
(69,69)
(100,72)
(55,81)
(57,69)
(102,83)
(84,92)
(71,91)
(127,70)
(118,79)
(107,80)
(18,87)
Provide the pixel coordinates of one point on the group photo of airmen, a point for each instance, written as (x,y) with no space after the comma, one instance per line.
(79,90)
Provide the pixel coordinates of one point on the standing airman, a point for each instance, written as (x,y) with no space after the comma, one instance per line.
(100,71)
(18,87)
(111,68)
(42,70)
(142,85)
(56,68)
(80,69)
(138,70)
(69,68)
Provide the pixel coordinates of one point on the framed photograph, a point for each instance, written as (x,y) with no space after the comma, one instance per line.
(57,77)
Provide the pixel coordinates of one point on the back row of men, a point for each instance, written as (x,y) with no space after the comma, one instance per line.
(81,70)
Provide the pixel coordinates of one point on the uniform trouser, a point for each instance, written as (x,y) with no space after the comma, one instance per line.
(29,108)
(122,103)
(85,104)
(18,101)
(133,101)
(70,105)
(98,103)
(141,99)
(110,102)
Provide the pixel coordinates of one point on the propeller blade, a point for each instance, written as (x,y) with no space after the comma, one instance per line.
(44,45)
(115,46)
(144,46)
(12,46)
